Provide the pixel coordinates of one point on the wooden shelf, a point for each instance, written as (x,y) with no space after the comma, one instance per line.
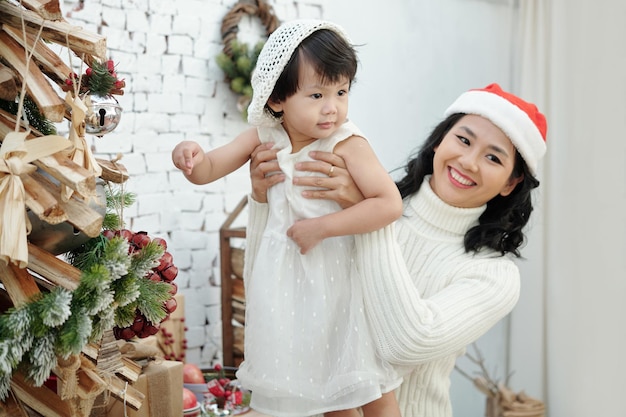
(233,297)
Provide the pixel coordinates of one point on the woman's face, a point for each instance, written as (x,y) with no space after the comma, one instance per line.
(473,164)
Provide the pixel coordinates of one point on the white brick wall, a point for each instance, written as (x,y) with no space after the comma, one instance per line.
(174,91)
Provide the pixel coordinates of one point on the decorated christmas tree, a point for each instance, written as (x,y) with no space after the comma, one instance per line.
(60,316)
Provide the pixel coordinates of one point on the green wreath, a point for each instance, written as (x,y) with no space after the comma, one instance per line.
(237,59)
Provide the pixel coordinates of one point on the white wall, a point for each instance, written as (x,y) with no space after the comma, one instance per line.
(416,57)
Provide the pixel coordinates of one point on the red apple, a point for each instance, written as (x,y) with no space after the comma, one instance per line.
(189,399)
(192,374)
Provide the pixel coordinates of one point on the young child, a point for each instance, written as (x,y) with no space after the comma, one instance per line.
(308,348)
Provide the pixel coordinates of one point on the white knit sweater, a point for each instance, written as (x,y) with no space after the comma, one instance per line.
(426,298)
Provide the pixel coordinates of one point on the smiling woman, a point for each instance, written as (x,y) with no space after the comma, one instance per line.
(444,274)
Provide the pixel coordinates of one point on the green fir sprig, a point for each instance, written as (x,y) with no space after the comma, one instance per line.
(100,79)
(116,201)
(34,116)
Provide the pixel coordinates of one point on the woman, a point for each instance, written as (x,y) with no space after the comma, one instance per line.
(451,276)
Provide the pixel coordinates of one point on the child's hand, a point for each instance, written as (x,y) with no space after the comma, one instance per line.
(186,155)
(306,234)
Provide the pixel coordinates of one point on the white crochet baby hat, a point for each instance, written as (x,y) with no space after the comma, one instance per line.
(272,60)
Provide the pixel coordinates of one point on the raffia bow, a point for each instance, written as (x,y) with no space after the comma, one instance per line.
(80,152)
(16,155)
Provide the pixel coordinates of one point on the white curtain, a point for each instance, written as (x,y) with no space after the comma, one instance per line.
(568,336)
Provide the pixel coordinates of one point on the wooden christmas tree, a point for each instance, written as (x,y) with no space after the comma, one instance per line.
(50,179)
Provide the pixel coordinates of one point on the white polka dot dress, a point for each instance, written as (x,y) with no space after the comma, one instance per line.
(308,347)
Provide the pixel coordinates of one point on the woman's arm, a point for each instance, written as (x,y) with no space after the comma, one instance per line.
(262,162)
(410,329)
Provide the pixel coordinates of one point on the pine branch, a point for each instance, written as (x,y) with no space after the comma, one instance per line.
(34,116)
(126,290)
(146,259)
(74,334)
(153,296)
(100,81)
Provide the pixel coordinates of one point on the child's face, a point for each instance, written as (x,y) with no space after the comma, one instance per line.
(316,111)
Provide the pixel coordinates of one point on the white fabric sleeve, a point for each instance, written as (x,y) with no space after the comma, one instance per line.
(257,219)
(410,329)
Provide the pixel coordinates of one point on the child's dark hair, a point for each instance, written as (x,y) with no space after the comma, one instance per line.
(500,226)
(330,54)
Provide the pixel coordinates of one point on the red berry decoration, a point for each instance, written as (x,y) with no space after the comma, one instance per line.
(165,261)
(109,234)
(165,271)
(169,273)
(160,241)
(140,239)
(223,392)
(170,305)
(216,388)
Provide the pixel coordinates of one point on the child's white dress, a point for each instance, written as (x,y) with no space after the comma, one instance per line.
(308,347)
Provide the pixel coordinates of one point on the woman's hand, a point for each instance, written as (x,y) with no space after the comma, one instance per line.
(264,171)
(338,184)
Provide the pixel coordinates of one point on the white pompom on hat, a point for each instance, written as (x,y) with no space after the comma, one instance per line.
(272,60)
(520,120)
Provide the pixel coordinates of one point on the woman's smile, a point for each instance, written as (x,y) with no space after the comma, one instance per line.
(459,179)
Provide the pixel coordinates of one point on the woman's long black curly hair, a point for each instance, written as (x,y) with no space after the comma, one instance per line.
(500,226)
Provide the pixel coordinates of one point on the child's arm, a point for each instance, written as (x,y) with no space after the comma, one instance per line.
(202,168)
(382,204)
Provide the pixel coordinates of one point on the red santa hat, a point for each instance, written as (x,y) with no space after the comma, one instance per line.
(520,120)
